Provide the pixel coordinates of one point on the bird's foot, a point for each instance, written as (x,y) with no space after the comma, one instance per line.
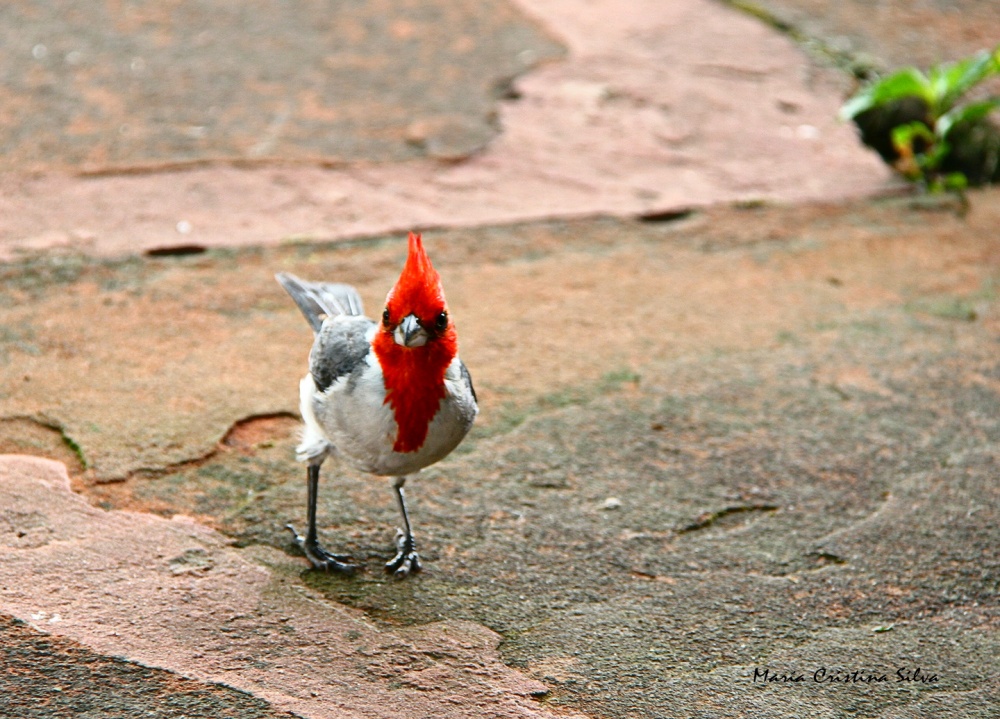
(406,561)
(321,559)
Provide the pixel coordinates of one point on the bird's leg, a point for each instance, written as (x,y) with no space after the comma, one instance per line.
(318,557)
(406,560)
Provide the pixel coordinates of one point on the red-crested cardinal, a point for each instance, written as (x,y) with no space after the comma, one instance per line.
(389,397)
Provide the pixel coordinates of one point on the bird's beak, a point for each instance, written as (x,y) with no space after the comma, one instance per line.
(409,333)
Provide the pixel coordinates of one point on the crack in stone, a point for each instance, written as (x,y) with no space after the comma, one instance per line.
(229,441)
(657,217)
(823,558)
(50,425)
(708,519)
(179,250)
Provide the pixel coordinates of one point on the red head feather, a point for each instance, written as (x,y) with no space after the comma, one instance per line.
(414,376)
(418,289)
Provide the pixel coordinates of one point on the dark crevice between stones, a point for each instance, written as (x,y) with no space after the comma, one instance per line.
(823,558)
(664,216)
(709,519)
(175,250)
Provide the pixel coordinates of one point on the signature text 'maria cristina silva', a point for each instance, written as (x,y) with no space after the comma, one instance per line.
(825,675)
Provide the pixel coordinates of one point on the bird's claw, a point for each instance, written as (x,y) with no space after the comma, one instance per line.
(406,561)
(321,559)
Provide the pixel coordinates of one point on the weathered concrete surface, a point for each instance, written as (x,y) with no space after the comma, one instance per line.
(98,86)
(47,676)
(171,594)
(745,440)
(755,438)
(655,106)
(157,394)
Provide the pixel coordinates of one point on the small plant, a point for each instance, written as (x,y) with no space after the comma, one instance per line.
(920,125)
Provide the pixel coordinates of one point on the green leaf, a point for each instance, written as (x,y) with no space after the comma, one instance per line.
(965,113)
(908,82)
(904,135)
(956,181)
(952,80)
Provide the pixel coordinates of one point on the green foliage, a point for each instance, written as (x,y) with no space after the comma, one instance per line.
(923,146)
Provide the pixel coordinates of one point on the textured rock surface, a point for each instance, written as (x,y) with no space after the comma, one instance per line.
(745,440)
(171,594)
(104,86)
(893,33)
(657,106)
(714,443)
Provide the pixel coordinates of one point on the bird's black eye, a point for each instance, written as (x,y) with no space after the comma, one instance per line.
(386,320)
(441,322)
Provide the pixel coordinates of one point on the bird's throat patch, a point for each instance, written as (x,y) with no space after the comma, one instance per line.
(414,388)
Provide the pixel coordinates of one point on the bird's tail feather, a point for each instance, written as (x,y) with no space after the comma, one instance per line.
(319,300)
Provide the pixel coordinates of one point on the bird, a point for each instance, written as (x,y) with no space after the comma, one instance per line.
(388,398)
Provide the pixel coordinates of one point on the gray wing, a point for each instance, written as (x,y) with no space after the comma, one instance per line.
(319,300)
(339,348)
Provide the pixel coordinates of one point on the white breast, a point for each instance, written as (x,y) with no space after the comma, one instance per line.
(353,417)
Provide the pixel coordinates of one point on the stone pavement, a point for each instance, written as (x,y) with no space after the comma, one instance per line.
(717,439)
(655,106)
